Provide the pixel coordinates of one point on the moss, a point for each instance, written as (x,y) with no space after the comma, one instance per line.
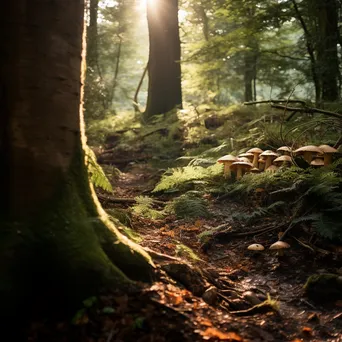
(70,251)
(325,286)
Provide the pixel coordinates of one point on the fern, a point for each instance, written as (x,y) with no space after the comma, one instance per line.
(96,174)
(176,178)
(259,213)
(189,205)
(144,208)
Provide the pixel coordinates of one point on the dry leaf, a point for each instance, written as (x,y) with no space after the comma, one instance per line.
(213,332)
(198,223)
(206,322)
(171,233)
(307,330)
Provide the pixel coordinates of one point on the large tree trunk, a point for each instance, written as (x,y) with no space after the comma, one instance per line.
(164,70)
(55,239)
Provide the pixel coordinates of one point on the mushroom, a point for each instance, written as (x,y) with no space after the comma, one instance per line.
(272,168)
(328,153)
(256,151)
(261,164)
(227,161)
(241,167)
(285,150)
(256,247)
(244,159)
(284,160)
(269,156)
(308,151)
(250,156)
(255,170)
(280,246)
(317,162)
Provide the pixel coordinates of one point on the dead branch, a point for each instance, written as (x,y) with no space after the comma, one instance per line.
(122,200)
(274,101)
(308,110)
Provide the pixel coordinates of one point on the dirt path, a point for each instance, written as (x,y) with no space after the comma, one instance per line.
(296,317)
(235,281)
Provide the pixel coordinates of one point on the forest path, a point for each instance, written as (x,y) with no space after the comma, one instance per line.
(228,262)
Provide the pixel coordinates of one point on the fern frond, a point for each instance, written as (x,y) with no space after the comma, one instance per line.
(143,207)
(96,174)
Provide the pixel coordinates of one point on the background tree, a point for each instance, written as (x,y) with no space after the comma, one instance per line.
(164,70)
(56,243)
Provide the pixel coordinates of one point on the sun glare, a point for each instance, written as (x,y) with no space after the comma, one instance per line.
(141,4)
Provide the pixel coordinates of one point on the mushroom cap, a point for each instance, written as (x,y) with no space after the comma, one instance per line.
(308,148)
(255,150)
(244,159)
(272,168)
(327,149)
(246,155)
(282,159)
(226,158)
(317,162)
(269,153)
(285,149)
(255,170)
(256,247)
(280,245)
(243,164)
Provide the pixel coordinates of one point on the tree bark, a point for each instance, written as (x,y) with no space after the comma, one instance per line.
(56,243)
(164,69)
(327,55)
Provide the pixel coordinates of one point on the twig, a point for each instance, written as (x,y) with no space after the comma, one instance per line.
(303,244)
(122,200)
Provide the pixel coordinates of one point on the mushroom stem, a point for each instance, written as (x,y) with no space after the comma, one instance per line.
(268,162)
(226,171)
(255,160)
(327,159)
(307,155)
(239,173)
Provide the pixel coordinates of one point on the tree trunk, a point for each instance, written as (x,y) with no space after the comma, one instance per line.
(164,70)
(56,242)
(327,41)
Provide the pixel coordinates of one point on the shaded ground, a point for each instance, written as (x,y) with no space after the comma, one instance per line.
(238,280)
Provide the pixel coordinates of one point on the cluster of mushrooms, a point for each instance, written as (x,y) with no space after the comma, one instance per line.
(279,246)
(256,160)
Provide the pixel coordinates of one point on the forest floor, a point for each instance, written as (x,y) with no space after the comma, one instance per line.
(238,281)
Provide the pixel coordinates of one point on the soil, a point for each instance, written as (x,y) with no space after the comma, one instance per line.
(235,281)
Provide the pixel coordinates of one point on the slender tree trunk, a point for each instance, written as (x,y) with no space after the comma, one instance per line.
(327,41)
(164,70)
(311,51)
(136,94)
(56,243)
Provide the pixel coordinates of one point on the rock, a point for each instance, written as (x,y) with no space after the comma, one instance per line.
(214,121)
(210,295)
(251,297)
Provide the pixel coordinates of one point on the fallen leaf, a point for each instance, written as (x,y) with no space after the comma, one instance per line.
(170,233)
(175,298)
(215,333)
(206,322)
(307,330)
(198,223)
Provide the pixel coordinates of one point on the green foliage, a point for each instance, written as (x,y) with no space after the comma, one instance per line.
(259,213)
(144,208)
(177,178)
(189,206)
(96,174)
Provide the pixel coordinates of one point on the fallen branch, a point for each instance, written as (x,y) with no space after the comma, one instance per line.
(122,200)
(309,110)
(274,101)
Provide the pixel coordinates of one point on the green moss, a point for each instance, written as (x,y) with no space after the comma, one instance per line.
(325,286)
(69,251)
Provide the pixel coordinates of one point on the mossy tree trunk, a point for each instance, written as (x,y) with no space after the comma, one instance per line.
(55,239)
(164,69)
